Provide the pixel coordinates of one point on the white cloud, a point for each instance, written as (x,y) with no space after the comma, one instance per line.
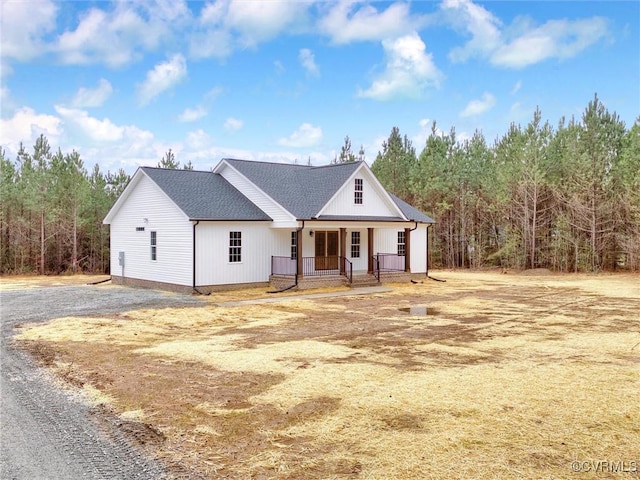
(477,107)
(211,43)
(229,25)
(516,88)
(88,97)
(308,61)
(233,124)
(25,126)
(120,35)
(409,70)
(198,140)
(214,93)
(163,76)
(24,24)
(346,23)
(426,130)
(483,26)
(192,114)
(257,22)
(523,43)
(98,130)
(554,39)
(306,135)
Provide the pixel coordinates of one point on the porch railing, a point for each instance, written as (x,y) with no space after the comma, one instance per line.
(313,266)
(387,262)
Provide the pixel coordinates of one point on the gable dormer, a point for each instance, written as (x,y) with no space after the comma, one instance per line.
(362,195)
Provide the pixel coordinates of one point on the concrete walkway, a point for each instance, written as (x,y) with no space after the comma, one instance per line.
(308,296)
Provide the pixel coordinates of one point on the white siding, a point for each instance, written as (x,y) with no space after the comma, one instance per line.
(173,230)
(359,264)
(419,249)
(279,215)
(259,243)
(386,241)
(374,202)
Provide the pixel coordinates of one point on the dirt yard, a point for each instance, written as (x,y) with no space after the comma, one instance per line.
(486,375)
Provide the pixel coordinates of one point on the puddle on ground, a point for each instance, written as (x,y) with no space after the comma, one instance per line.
(420,310)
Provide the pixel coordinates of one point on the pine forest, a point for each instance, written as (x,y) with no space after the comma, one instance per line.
(564,197)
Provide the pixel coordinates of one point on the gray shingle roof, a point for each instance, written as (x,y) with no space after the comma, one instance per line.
(411,212)
(205,195)
(303,190)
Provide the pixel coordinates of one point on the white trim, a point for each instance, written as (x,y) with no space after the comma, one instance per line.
(381,192)
(137,176)
(219,169)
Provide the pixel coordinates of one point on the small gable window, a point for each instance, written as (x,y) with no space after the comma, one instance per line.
(235,247)
(154,246)
(355,244)
(401,244)
(357,197)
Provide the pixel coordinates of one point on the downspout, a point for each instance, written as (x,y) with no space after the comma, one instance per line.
(195,289)
(409,240)
(428,251)
(428,254)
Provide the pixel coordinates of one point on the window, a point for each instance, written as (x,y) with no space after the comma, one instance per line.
(294,245)
(139,229)
(401,243)
(235,247)
(355,244)
(357,198)
(154,246)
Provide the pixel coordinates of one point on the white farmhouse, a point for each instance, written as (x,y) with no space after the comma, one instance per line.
(252,223)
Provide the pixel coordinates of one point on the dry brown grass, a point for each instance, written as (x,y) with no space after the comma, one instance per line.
(512,377)
(20,282)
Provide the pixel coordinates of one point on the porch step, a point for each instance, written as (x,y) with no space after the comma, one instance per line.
(364,280)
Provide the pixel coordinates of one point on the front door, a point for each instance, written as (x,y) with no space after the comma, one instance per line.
(326,250)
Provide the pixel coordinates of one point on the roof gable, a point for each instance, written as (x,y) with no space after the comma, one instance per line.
(375,201)
(205,195)
(199,195)
(303,190)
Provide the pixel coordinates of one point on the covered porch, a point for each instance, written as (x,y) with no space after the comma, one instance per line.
(353,255)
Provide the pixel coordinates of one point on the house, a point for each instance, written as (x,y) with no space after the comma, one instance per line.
(248,223)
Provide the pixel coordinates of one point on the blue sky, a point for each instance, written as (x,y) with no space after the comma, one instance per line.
(122,82)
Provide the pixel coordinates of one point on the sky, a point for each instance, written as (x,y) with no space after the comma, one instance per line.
(286,81)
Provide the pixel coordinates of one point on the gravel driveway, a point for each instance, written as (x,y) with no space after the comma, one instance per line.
(46,433)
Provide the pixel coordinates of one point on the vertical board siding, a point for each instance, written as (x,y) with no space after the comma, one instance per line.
(359,264)
(419,249)
(373,202)
(385,240)
(259,243)
(174,245)
(257,196)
